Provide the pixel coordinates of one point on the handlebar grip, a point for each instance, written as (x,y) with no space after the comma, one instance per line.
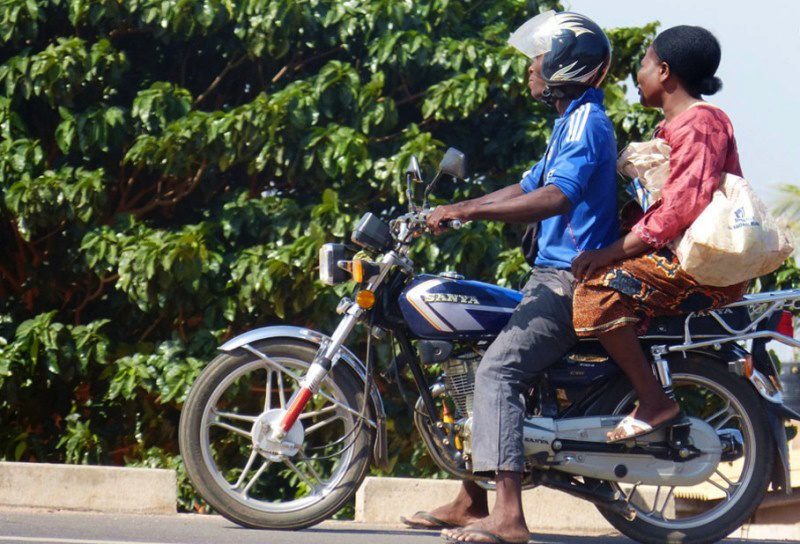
(452,224)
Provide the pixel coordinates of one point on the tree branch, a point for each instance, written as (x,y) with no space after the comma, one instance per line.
(175,196)
(297,66)
(92,296)
(126,30)
(234,63)
(409,98)
(150,329)
(5,273)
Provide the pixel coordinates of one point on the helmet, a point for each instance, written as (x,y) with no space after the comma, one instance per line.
(575,48)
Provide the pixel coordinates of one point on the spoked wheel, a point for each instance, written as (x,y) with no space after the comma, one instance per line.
(257,482)
(713,509)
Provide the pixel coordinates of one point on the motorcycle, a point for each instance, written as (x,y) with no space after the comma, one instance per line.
(279,430)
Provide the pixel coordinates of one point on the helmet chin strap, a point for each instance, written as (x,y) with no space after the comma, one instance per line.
(547,96)
(552,94)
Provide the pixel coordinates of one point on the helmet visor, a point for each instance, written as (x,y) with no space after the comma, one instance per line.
(535,36)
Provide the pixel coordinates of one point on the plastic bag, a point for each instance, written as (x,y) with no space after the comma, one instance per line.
(733,240)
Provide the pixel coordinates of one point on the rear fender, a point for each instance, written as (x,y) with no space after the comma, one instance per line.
(380,451)
(781,474)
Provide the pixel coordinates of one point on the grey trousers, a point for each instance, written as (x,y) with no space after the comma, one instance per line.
(539,332)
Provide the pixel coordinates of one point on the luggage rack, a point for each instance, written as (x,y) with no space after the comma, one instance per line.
(760,307)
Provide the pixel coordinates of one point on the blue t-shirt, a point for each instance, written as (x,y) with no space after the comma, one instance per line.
(581,162)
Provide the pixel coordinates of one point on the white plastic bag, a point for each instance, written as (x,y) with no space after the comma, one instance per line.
(734,239)
(647,164)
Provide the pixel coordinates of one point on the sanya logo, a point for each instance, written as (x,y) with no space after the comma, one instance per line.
(741,221)
(449,297)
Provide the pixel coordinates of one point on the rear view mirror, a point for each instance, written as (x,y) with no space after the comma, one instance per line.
(454,163)
(413,169)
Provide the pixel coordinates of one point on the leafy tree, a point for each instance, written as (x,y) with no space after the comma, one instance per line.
(168,171)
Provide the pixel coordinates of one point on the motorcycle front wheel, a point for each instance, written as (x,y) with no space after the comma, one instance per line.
(256,488)
(714,509)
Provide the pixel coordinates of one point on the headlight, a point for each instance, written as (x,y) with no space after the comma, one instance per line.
(329,271)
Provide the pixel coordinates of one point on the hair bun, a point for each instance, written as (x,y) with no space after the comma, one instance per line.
(710,85)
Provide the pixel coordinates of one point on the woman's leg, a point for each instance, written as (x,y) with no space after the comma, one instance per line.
(655,406)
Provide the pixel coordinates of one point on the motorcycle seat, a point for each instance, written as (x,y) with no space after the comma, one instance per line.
(700,326)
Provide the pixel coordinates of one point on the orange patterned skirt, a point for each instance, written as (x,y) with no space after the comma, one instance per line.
(637,289)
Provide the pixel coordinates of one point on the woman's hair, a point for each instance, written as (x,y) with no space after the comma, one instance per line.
(693,54)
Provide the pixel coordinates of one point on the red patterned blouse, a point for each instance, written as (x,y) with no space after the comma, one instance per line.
(702,149)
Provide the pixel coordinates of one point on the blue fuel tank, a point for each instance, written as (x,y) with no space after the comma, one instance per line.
(442,308)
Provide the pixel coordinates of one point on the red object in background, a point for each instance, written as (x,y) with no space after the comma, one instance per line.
(786,324)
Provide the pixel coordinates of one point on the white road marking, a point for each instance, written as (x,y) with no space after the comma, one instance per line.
(59,540)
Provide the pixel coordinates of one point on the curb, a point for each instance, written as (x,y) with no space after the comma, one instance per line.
(113,490)
(384,500)
(381,501)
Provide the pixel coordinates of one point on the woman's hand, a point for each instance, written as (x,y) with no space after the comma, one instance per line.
(587,262)
(444,213)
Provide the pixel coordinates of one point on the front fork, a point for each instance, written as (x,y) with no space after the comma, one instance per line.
(329,353)
(322,364)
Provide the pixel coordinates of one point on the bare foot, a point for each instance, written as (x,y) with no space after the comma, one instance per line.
(468,507)
(451,514)
(510,530)
(654,412)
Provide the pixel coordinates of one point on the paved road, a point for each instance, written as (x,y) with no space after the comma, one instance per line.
(40,527)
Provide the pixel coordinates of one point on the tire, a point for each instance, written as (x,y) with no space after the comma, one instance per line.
(209,480)
(649,530)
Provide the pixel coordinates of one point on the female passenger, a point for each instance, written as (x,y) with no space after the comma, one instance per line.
(638,277)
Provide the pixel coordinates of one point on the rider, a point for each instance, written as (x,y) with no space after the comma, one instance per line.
(571,191)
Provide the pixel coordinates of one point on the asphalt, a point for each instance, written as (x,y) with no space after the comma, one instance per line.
(55,527)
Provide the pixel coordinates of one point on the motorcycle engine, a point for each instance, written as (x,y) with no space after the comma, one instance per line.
(459,373)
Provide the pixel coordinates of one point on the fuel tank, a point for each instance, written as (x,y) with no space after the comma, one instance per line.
(440,307)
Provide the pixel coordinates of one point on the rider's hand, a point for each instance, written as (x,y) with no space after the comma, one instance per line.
(587,262)
(441,214)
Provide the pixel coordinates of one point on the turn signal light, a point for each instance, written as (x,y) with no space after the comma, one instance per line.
(365,299)
(748,366)
(359,269)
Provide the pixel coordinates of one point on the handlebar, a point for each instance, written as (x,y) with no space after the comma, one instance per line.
(415,223)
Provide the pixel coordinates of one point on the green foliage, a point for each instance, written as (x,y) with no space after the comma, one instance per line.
(168,171)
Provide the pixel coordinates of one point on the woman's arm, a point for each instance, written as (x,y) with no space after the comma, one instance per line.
(699,148)
(630,245)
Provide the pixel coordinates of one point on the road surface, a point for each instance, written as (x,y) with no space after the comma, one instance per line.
(45,527)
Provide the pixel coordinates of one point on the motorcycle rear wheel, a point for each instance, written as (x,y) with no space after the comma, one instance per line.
(243,484)
(742,497)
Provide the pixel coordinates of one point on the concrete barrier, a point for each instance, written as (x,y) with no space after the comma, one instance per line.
(384,500)
(88,488)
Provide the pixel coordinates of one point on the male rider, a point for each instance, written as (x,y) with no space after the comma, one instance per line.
(571,191)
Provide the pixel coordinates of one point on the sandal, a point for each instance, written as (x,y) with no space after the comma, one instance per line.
(433,523)
(493,538)
(629,424)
